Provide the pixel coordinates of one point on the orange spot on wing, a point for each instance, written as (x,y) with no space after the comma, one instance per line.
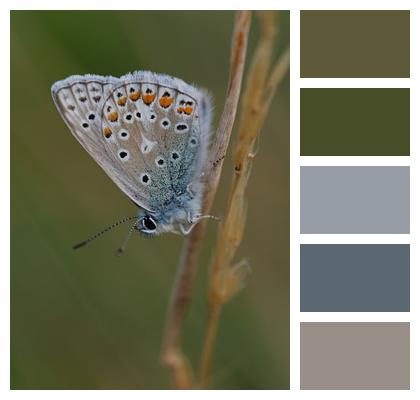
(107,132)
(185,110)
(165,101)
(135,96)
(148,98)
(113,116)
(122,101)
(188,110)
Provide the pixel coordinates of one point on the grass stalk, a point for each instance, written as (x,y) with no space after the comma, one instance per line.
(226,277)
(172,355)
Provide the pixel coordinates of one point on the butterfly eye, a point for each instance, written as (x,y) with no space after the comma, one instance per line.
(148,223)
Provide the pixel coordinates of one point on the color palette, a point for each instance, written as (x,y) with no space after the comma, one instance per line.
(355,278)
(354,355)
(354,275)
(355,122)
(355,44)
(355,199)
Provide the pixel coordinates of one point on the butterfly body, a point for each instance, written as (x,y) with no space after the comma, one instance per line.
(150,134)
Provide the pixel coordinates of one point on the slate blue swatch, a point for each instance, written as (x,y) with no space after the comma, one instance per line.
(355,278)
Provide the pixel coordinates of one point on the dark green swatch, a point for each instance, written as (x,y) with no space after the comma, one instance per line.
(355,44)
(355,122)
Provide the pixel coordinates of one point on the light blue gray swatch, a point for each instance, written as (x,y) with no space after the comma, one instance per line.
(340,200)
(355,278)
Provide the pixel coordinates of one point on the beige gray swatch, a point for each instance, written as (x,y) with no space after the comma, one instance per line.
(355,355)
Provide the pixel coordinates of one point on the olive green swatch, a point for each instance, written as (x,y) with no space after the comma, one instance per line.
(355,44)
(355,122)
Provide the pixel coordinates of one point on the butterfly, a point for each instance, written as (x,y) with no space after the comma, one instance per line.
(150,133)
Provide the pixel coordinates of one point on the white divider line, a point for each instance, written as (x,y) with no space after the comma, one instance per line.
(355,317)
(354,239)
(386,161)
(354,83)
(294,200)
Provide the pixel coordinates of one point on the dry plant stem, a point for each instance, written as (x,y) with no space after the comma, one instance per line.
(172,355)
(226,279)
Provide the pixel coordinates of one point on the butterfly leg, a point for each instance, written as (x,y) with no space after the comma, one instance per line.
(185,231)
(193,219)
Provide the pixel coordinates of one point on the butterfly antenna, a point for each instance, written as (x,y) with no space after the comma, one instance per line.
(121,249)
(85,242)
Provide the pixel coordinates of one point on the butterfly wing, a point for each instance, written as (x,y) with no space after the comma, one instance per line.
(79,100)
(153,129)
(149,132)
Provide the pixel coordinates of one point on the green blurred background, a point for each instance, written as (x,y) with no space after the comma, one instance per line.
(90,320)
